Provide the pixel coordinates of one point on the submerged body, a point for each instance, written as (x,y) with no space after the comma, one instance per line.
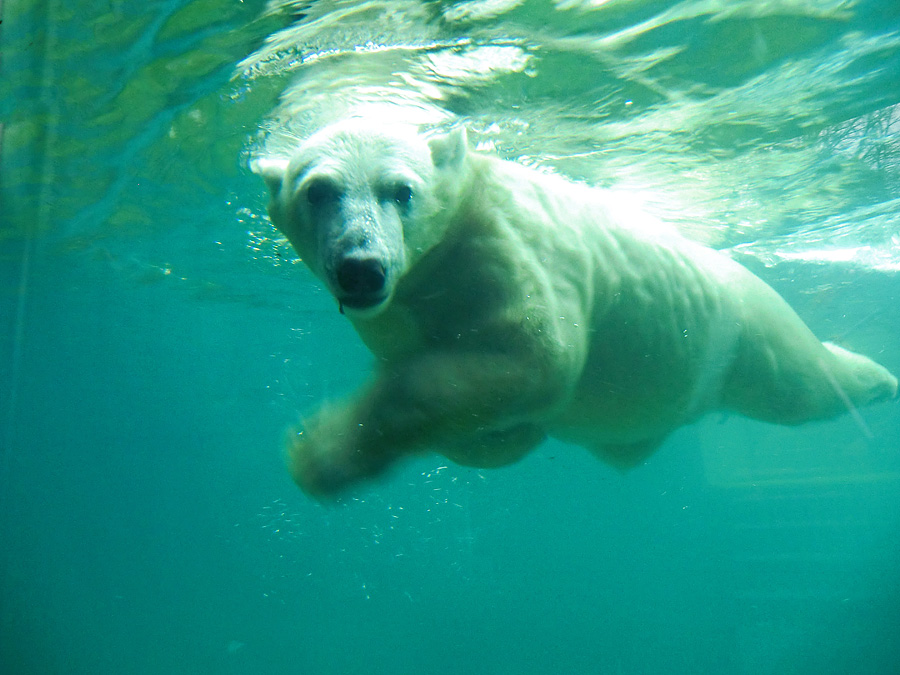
(504,305)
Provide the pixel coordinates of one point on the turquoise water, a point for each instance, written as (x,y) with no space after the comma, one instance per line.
(157,337)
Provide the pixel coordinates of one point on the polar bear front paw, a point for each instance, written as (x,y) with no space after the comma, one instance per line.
(329,454)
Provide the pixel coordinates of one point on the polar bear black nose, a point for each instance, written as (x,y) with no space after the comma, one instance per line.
(361,276)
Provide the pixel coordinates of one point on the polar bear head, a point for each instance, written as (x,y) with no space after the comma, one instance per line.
(361,203)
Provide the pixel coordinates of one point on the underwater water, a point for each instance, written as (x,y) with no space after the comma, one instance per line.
(157,337)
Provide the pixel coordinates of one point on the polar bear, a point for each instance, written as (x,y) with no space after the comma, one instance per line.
(504,305)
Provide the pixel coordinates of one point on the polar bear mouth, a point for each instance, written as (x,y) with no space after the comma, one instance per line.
(361,304)
(355,310)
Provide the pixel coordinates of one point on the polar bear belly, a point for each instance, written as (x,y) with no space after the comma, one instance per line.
(659,352)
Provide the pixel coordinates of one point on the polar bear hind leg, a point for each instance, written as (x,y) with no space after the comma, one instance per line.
(863,381)
(796,386)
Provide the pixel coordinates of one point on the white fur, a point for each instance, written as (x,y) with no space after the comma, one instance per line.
(518,305)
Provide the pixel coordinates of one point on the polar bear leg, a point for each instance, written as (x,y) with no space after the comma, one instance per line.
(856,379)
(436,401)
(793,384)
(782,373)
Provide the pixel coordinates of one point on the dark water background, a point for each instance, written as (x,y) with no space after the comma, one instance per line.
(157,337)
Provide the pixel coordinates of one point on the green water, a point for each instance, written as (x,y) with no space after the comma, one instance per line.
(157,336)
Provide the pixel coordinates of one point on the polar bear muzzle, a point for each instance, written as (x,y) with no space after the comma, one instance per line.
(361,281)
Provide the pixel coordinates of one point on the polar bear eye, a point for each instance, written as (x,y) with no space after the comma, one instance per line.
(321,192)
(403,194)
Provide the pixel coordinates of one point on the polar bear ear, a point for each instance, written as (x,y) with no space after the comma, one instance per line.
(448,150)
(272,170)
